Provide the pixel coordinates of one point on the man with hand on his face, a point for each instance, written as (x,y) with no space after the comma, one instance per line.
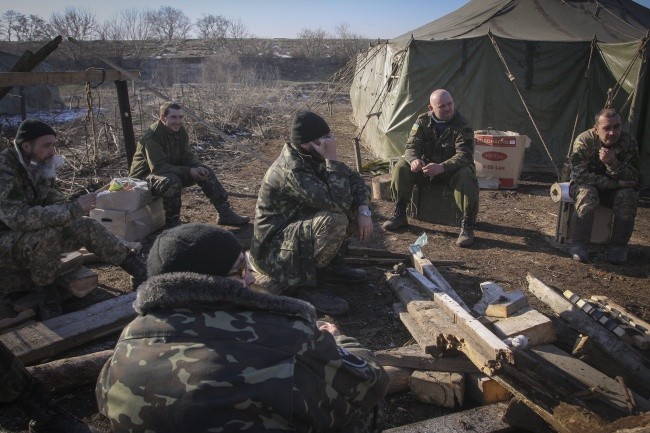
(605,167)
(308,206)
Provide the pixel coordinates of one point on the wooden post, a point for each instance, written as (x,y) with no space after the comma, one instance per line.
(127,122)
(357,154)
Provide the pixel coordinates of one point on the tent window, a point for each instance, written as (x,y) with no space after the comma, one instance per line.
(394,75)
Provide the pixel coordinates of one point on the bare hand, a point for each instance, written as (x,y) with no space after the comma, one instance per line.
(416,165)
(199,173)
(627,183)
(364,227)
(326,147)
(328,327)
(432,170)
(607,155)
(87,201)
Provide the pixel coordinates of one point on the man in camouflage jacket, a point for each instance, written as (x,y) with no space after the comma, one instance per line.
(38,223)
(605,167)
(163,157)
(207,354)
(309,203)
(440,148)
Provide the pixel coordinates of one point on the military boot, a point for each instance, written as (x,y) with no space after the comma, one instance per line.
(135,266)
(621,233)
(337,270)
(49,304)
(580,234)
(398,219)
(46,416)
(466,235)
(228,217)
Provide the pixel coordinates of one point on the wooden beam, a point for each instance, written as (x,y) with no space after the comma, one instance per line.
(43,340)
(626,355)
(417,359)
(126,118)
(438,388)
(426,340)
(485,390)
(67,374)
(507,305)
(431,288)
(9,79)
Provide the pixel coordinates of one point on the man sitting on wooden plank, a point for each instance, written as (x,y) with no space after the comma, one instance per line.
(38,223)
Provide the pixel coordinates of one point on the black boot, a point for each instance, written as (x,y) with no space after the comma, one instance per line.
(398,219)
(49,304)
(135,266)
(580,235)
(228,217)
(46,416)
(337,270)
(621,234)
(466,235)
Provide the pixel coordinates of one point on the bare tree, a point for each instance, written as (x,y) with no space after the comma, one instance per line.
(137,24)
(212,27)
(238,32)
(349,44)
(78,23)
(168,23)
(313,43)
(8,23)
(112,29)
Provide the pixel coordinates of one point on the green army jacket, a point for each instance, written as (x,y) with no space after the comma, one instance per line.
(294,187)
(161,152)
(587,168)
(207,354)
(27,204)
(453,147)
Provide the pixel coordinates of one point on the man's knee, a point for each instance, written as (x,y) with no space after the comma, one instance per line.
(166,186)
(328,230)
(586,199)
(626,202)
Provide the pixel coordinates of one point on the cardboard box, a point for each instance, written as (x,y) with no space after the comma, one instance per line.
(125,200)
(499,155)
(132,225)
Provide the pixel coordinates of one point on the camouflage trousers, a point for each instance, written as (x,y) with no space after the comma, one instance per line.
(14,379)
(39,251)
(170,186)
(622,201)
(463,182)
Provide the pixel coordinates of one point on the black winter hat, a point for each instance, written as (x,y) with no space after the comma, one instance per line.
(308,126)
(199,248)
(31,129)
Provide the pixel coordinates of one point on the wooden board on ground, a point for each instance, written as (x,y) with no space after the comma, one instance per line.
(534,325)
(417,359)
(426,268)
(484,419)
(507,305)
(66,374)
(79,282)
(10,317)
(426,340)
(43,340)
(70,262)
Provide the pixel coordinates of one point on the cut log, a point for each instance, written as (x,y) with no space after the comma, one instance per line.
(631,359)
(67,374)
(79,282)
(398,378)
(484,419)
(415,358)
(507,305)
(534,325)
(485,390)
(438,388)
(381,187)
(43,340)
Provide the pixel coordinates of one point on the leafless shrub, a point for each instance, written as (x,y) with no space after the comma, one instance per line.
(313,43)
(78,23)
(168,23)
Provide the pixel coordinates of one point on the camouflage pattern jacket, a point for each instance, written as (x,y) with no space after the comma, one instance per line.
(161,151)
(294,187)
(207,354)
(28,204)
(588,169)
(453,147)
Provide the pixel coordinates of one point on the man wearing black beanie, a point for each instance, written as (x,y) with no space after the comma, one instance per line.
(206,352)
(38,223)
(309,205)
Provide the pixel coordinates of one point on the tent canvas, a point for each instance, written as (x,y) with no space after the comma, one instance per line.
(541,68)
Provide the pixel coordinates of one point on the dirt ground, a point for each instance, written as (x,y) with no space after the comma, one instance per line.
(514,237)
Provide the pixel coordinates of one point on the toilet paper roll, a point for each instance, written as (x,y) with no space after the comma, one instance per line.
(560,192)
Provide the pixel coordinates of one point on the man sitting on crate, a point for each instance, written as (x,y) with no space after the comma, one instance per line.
(163,157)
(440,148)
(38,224)
(604,169)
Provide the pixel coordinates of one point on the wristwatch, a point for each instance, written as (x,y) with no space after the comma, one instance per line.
(365,212)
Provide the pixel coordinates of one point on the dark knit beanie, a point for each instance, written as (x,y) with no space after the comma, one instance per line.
(31,129)
(308,126)
(199,248)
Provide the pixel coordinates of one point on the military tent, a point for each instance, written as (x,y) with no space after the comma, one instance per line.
(539,67)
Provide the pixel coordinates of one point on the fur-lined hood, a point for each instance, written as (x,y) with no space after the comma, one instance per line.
(188,289)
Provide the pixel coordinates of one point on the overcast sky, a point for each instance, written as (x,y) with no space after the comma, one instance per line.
(383,19)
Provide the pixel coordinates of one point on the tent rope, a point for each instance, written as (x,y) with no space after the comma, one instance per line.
(613,92)
(530,115)
(586,12)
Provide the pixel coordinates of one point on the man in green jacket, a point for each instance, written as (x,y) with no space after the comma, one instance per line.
(440,148)
(163,157)
(38,223)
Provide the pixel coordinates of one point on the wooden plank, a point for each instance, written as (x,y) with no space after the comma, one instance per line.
(612,306)
(10,79)
(375,252)
(507,305)
(607,389)
(415,358)
(484,419)
(430,288)
(425,340)
(46,339)
(79,282)
(426,268)
(69,262)
(634,361)
(534,325)
(10,317)
(372,261)
(438,388)
(485,390)
(67,374)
